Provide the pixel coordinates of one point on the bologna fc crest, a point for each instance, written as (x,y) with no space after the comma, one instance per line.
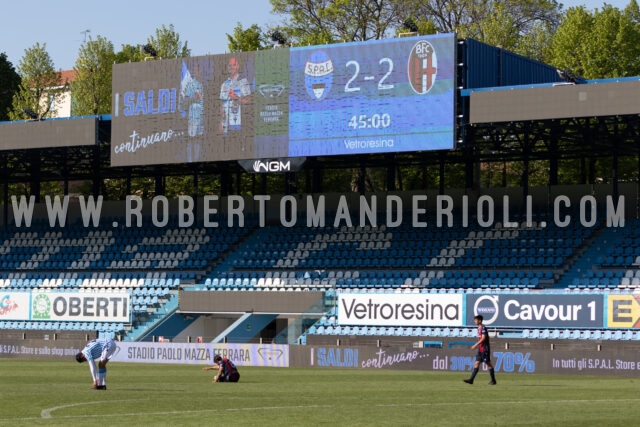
(318,75)
(423,67)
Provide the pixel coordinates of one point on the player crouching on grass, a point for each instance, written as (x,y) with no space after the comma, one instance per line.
(227,371)
(103,349)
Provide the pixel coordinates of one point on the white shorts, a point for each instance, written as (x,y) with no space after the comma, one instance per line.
(108,351)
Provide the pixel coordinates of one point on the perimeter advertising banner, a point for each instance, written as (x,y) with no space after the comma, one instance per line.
(378,96)
(15,305)
(623,311)
(537,310)
(81,306)
(274,355)
(457,356)
(66,306)
(400,309)
(544,310)
(612,359)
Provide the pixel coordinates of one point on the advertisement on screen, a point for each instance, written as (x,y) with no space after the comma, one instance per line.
(369,97)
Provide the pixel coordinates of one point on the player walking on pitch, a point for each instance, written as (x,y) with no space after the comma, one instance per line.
(102,349)
(484,352)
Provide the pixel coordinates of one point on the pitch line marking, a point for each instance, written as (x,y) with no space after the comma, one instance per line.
(46,413)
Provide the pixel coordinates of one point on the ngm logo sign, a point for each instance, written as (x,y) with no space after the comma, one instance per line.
(271,166)
(543,310)
(281,165)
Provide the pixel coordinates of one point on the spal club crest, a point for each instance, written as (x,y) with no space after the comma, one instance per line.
(318,75)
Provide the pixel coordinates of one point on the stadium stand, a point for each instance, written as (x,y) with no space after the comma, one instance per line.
(326,259)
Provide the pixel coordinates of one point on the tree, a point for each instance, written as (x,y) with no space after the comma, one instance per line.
(498,28)
(528,36)
(129,53)
(325,21)
(91,88)
(506,23)
(465,17)
(247,40)
(416,25)
(41,87)
(600,44)
(633,11)
(536,44)
(9,85)
(166,44)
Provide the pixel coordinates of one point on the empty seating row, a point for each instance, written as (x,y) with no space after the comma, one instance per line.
(577,334)
(62,326)
(461,332)
(398,331)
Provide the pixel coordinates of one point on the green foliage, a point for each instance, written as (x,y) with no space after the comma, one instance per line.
(568,42)
(167,43)
(41,86)
(523,27)
(487,20)
(536,44)
(633,11)
(91,88)
(424,27)
(499,27)
(321,21)
(600,44)
(178,186)
(9,84)
(246,40)
(112,189)
(129,53)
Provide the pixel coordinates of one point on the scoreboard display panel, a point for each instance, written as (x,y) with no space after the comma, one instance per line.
(358,98)
(378,96)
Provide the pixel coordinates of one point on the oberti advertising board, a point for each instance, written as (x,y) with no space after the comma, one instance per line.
(66,306)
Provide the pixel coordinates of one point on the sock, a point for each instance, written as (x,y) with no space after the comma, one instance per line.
(473,373)
(493,374)
(102,376)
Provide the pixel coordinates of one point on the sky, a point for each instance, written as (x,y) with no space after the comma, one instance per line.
(204,24)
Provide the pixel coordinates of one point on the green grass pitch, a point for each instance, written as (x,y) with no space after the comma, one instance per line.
(58,393)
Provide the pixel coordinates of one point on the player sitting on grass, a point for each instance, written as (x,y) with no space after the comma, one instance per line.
(227,371)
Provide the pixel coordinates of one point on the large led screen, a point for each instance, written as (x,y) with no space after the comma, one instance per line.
(350,98)
(388,96)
